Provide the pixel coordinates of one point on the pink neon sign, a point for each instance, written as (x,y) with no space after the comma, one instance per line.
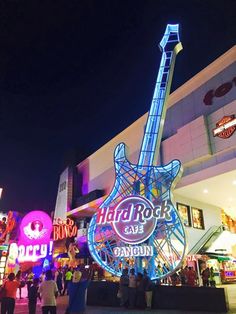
(34,242)
(35,228)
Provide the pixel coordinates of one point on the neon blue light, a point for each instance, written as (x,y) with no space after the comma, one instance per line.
(170,28)
(154,183)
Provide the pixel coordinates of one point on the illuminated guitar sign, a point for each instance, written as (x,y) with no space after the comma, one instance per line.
(137,225)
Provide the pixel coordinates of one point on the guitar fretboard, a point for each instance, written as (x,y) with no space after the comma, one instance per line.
(156,116)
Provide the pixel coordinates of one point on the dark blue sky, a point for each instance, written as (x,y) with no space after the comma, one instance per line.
(73,74)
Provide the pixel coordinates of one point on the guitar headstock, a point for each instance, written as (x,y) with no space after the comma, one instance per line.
(170,40)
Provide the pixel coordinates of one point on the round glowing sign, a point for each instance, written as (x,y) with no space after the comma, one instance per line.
(136,220)
(36,226)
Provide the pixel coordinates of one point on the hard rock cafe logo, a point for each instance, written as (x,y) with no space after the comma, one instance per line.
(225,127)
(134,218)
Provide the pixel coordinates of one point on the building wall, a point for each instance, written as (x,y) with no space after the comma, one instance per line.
(187,132)
(211,216)
(192,105)
(187,136)
(196,147)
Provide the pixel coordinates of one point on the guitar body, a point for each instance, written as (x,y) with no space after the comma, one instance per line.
(129,175)
(168,237)
(137,225)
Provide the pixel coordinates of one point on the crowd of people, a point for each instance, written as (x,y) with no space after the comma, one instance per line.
(188,276)
(46,288)
(135,290)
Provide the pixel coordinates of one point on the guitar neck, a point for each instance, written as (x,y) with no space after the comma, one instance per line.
(156,116)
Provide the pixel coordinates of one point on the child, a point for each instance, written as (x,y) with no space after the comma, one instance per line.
(33,295)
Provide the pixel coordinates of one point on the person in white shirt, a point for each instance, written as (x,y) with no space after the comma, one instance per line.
(48,292)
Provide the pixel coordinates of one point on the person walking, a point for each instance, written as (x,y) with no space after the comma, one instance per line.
(212,278)
(205,277)
(42,277)
(183,276)
(124,288)
(19,279)
(174,279)
(48,292)
(8,301)
(147,288)
(165,270)
(191,277)
(140,300)
(33,296)
(68,277)
(59,279)
(132,288)
(29,282)
(78,290)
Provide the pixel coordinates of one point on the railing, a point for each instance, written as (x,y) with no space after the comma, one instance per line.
(206,240)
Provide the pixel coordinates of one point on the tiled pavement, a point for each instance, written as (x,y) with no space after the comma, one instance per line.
(22,308)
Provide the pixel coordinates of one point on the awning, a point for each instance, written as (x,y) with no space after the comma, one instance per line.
(220,258)
(223,258)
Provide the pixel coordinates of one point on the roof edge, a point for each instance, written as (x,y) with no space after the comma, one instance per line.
(203,76)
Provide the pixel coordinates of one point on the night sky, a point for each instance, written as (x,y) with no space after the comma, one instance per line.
(73,74)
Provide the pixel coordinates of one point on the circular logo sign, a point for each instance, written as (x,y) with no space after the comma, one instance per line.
(136,221)
(36,226)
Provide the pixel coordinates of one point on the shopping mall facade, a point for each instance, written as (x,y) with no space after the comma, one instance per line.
(200,131)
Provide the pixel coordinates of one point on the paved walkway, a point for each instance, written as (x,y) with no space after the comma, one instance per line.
(231,294)
(22,306)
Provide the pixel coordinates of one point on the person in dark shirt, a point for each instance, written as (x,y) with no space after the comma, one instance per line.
(33,296)
(124,288)
(147,288)
(140,296)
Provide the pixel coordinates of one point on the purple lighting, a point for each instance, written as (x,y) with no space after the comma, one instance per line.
(35,228)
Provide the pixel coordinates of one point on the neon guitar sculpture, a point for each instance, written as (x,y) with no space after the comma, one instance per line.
(137,225)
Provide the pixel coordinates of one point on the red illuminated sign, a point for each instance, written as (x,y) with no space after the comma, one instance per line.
(219,92)
(64,229)
(225,127)
(193,258)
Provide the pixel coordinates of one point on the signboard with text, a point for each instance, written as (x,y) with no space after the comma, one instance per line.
(35,238)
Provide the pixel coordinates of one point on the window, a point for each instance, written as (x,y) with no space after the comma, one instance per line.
(184,212)
(197,217)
